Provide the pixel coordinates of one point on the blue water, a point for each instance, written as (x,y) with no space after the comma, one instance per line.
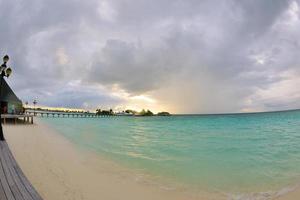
(231,153)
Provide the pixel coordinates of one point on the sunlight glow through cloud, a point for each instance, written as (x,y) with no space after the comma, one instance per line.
(175,56)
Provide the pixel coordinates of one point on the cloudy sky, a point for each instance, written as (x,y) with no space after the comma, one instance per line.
(182,56)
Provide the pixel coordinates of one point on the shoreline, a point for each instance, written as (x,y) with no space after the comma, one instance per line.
(59,170)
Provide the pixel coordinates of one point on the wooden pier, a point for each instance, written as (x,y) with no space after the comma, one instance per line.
(13,183)
(64,114)
(24,117)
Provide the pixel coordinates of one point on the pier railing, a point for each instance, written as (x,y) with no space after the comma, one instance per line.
(64,114)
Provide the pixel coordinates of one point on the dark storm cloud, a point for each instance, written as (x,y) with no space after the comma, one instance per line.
(206,56)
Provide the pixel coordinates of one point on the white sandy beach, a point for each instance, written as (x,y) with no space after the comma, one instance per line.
(60,171)
(293,195)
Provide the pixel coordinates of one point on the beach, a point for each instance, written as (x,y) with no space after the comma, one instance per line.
(59,171)
(293,195)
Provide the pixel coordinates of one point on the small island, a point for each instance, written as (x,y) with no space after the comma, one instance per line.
(145,113)
(163,114)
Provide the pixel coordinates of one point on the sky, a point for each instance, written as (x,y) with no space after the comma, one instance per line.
(181,56)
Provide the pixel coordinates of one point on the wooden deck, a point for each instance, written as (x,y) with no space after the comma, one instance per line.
(13,183)
(24,117)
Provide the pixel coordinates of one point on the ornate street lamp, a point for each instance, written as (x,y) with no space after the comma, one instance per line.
(34,103)
(4,72)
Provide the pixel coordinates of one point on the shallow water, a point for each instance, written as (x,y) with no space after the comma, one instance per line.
(233,154)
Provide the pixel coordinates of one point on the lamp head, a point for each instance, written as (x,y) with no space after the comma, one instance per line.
(8,72)
(3,67)
(5,58)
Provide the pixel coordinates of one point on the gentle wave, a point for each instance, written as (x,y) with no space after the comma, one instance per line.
(264,195)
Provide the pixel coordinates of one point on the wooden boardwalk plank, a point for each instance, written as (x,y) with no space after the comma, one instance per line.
(8,193)
(2,193)
(23,178)
(14,174)
(5,190)
(9,178)
(14,185)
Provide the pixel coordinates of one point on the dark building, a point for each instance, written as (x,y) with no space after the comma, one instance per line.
(10,103)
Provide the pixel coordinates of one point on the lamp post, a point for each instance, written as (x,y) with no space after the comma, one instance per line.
(4,72)
(34,103)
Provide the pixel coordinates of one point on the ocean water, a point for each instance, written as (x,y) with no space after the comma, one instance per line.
(232,153)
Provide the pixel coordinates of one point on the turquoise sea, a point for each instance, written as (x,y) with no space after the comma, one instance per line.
(231,153)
